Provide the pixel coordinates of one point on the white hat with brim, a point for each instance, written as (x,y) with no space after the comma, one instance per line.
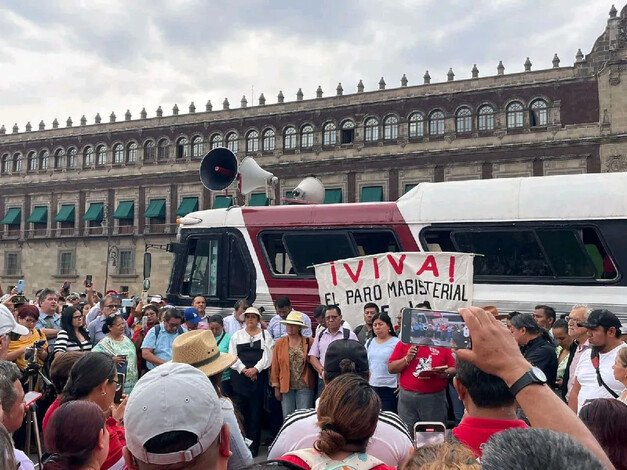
(294,318)
(242,317)
(8,323)
(199,348)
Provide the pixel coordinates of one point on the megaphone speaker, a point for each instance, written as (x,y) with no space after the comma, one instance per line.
(218,169)
(253,176)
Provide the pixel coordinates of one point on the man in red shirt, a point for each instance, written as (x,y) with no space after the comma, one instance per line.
(424,372)
(490,406)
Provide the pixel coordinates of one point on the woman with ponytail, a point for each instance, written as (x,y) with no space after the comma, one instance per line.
(348,414)
(71,449)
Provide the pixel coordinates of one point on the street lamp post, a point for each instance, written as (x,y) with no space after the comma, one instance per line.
(113,251)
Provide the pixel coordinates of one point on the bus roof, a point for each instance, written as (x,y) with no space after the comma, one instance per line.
(583,197)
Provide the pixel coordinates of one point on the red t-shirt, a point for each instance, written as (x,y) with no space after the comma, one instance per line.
(426,358)
(117,441)
(301,463)
(53,407)
(474,432)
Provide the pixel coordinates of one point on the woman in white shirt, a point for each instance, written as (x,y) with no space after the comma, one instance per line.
(620,372)
(253,348)
(379,351)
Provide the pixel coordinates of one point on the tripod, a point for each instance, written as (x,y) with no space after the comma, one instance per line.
(32,425)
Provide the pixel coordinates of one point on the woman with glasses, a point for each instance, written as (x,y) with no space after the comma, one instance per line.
(73,336)
(121,349)
(32,346)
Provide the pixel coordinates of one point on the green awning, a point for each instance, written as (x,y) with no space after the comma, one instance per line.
(258,200)
(371,194)
(332,196)
(12,217)
(288,194)
(156,209)
(188,204)
(39,215)
(65,214)
(222,202)
(409,187)
(95,212)
(125,210)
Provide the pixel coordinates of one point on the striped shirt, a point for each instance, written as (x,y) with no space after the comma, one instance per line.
(64,343)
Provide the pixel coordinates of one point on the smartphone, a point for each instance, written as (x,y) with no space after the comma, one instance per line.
(144,322)
(434,328)
(40,344)
(127,302)
(66,285)
(117,398)
(31,397)
(88,280)
(144,297)
(20,286)
(429,433)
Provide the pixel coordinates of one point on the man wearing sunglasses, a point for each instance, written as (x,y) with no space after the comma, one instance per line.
(109,305)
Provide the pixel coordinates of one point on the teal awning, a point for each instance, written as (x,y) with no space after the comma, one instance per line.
(125,210)
(65,214)
(188,204)
(95,212)
(332,196)
(39,215)
(258,200)
(371,194)
(409,187)
(12,217)
(156,209)
(222,202)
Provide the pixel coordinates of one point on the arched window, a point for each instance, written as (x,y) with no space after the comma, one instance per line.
(149,151)
(436,123)
(463,120)
(101,155)
(17,162)
(347,135)
(371,130)
(306,137)
(71,158)
(131,152)
(390,128)
(215,141)
(182,147)
(232,142)
(197,146)
(416,125)
(44,160)
(32,161)
(269,140)
(486,118)
(59,159)
(88,157)
(289,140)
(329,134)
(163,150)
(6,164)
(539,113)
(514,115)
(252,142)
(118,153)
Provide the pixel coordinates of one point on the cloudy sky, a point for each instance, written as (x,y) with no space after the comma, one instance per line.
(66,58)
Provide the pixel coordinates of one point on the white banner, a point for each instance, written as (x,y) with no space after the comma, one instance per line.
(396,280)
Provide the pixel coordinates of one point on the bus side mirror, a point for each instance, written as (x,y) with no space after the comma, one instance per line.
(176,248)
(147,264)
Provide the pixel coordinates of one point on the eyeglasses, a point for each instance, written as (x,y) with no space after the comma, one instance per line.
(113,307)
(568,318)
(331,317)
(118,385)
(78,317)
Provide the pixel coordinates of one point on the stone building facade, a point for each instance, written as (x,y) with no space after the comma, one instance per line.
(77,199)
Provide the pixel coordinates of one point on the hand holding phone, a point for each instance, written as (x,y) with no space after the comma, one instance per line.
(434,328)
(30,398)
(88,280)
(20,286)
(429,433)
(40,344)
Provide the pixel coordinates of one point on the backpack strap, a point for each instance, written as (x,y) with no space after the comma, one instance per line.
(594,358)
(321,333)
(368,342)
(358,329)
(180,330)
(157,328)
(347,333)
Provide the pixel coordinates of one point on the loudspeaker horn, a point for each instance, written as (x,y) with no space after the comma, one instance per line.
(252,176)
(309,191)
(218,169)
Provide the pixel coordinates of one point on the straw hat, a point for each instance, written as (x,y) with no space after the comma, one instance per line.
(198,348)
(242,317)
(294,318)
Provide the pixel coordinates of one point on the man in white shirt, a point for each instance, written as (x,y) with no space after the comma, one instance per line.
(232,323)
(594,377)
(578,314)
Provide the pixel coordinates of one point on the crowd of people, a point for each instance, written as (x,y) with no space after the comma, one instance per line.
(156,387)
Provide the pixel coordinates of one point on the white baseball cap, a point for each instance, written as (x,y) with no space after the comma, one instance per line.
(172,397)
(8,323)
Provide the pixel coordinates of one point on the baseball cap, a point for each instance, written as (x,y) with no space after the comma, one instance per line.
(172,397)
(8,323)
(191,315)
(346,349)
(156,298)
(601,317)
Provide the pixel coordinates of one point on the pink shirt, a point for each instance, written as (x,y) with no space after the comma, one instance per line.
(573,366)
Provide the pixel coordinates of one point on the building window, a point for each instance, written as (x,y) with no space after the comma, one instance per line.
(71,158)
(416,125)
(371,130)
(156,215)
(215,141)
(163,150)
(101,155)
(252,142)
(65,263)
(232,142)
(463,120)
(514,115)
(197,147)
(329,134)
(118,153)
(390,128)
(182,148)
(39,218)
(486,118)
(348,132)
(17,163)
(436,123)
(6,164)
(306,137)
(66,218)
(131,152)
(269,140)
(32,161)
(12,264)
(44,160)
(59,159)
(289,140)
(149,151)
(539,113)
(126,262)
(88,157)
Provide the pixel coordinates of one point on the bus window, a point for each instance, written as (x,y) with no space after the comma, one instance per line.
(307,249)
(201,269)
(603,264)
(372,243)
(238,287)
(439,241)
(276,253)
(566,253)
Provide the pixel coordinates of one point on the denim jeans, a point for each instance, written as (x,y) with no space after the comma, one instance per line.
(296,400)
